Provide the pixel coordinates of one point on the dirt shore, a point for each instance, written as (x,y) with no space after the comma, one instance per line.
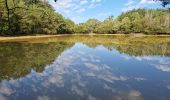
(2,38)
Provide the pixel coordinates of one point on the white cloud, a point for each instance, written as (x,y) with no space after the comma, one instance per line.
(77,90)
(98,1)
(2,97)
(74,6)
(163,68)
(134,93)
(43,98)
(130,95)
(146,2)
(92,66)
(83,2)
(80,10)
(91,98)
(168,87)
(126,57)
(130,8)
(130,2)
(4,89)
(140,79)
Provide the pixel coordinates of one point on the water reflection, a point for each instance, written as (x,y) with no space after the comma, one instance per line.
(17,59)
(79,71)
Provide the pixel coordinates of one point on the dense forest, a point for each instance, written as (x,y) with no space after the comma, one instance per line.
(148,21)
(29,17)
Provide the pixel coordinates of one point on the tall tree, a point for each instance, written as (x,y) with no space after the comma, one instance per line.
(91,25)
(8,14)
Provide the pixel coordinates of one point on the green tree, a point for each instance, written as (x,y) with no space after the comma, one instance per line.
(31,17)
(81,28)
(91,25)
(125,25)
(106,27)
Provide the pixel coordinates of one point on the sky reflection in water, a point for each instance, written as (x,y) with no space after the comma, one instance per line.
(85,73)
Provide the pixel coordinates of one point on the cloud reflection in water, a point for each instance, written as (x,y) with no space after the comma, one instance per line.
(83,74)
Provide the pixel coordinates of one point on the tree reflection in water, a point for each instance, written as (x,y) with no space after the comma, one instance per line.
(75,69)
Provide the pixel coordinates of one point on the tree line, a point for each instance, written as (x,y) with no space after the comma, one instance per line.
(29,17)
(148,21)
(20,17)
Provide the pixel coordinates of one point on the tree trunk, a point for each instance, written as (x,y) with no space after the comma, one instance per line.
(8,15)
(168,19)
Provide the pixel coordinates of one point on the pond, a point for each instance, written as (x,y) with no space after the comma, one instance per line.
(86,67)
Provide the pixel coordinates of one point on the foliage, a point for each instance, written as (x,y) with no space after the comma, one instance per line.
(32,17)
(80,28)
(149,21)
(91,24)
(106,27)
(21,17)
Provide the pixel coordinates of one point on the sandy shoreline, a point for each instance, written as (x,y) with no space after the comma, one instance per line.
(24,37)
(2,38)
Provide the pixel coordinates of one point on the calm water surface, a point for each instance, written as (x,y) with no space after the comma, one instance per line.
(76,69)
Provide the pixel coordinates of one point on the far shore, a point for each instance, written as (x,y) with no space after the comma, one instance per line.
(8,38)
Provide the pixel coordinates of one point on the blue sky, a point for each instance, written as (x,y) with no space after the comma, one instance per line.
(81,10)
